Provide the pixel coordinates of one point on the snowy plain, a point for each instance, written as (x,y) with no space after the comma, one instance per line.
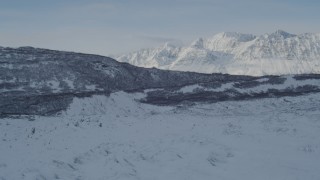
(117,137)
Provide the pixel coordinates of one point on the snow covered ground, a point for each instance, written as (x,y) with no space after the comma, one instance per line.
(117,137)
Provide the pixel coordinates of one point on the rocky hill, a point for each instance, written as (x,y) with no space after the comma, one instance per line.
(41,81)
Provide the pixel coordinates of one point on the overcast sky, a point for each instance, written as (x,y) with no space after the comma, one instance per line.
(115,26)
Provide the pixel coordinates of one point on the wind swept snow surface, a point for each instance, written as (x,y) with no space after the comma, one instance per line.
(117,137)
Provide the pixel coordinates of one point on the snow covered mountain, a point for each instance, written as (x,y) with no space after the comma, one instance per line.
(235,53)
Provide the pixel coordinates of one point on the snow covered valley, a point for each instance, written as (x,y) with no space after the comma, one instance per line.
(118,137)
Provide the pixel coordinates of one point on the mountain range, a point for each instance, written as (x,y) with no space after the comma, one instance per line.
(274,53)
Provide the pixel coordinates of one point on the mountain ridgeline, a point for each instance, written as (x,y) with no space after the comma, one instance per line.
(44,82)
(274,53)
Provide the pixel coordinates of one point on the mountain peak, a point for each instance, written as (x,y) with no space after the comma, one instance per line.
(235,35)
(227,35)
(168,45)
(198,43)
(282,33)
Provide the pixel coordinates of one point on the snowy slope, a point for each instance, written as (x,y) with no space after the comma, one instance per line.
(117,137)
(235,53)
(66,115)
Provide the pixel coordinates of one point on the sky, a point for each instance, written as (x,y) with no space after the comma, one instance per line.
(111,27)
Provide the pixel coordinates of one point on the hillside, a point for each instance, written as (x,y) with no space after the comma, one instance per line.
(66,115)
(39,81)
